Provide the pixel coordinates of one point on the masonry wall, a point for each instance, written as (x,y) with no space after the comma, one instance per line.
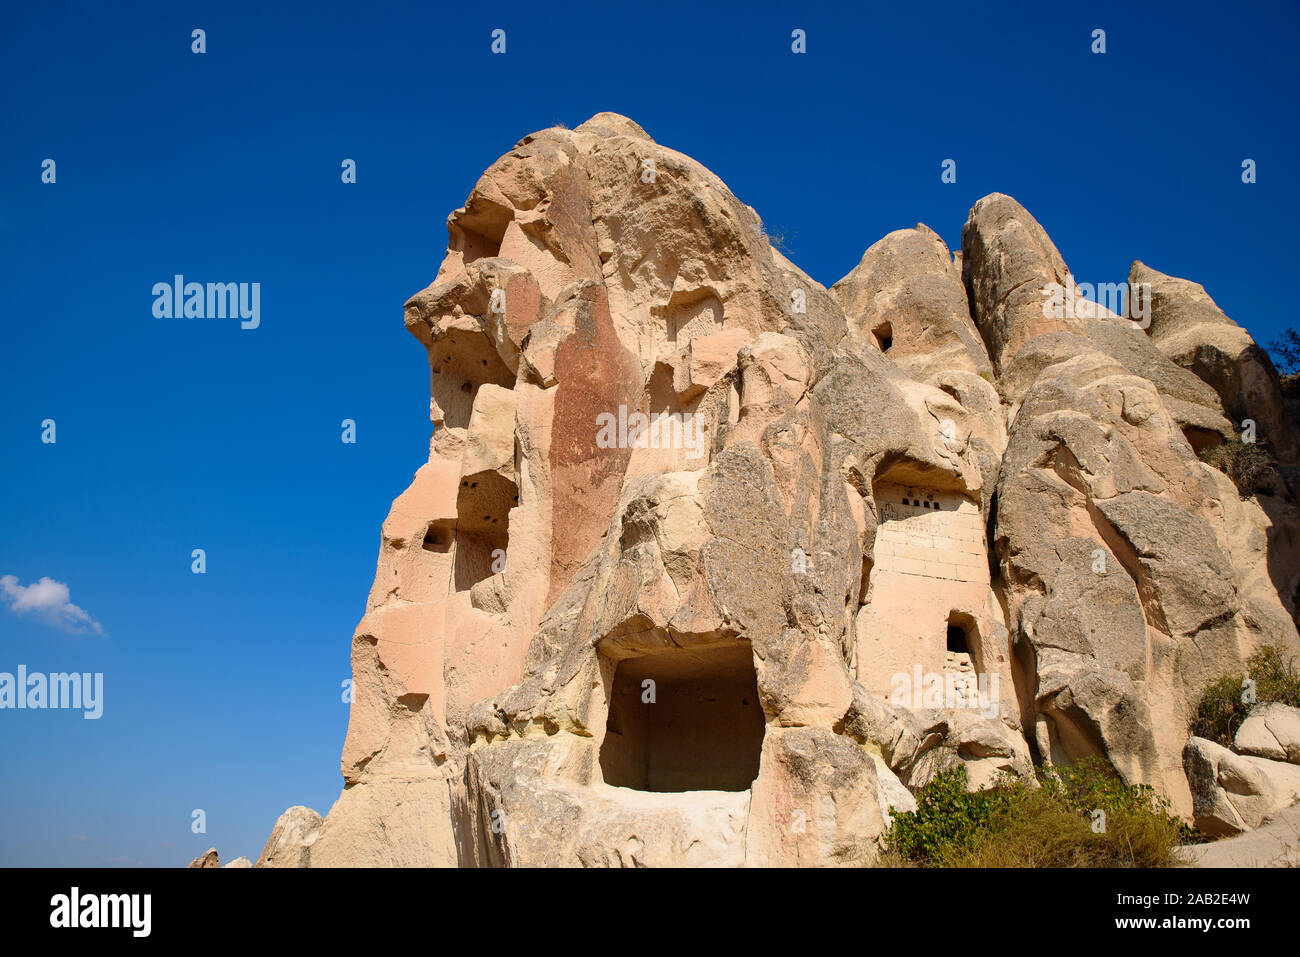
(929,534)
(929,562)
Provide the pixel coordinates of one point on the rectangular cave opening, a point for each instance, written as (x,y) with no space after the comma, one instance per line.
(479,555)
(483,505)
(957,640)
(684,719)
(1201,440)
(439,536)
(962,650)
(459,364)
(884,336)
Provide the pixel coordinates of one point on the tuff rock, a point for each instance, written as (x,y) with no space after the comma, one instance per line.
(207,859)
(1237,792)
(871,532)
(291,839)
(1275,843)
(1270,731)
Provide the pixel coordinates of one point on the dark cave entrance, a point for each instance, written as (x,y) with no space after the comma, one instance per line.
(684,719)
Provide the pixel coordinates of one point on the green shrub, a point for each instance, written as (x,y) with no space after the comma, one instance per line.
(1015,825)
(946,819)
(1221,709)
(1276,677)
(1248,464)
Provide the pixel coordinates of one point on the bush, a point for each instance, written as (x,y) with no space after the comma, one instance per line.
(1221,710)
(947,819)
(1015,825)
(1276,678)
(780,241)
(1248,464)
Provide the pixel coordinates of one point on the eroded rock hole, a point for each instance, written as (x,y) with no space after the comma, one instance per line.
(884,336)
(685,719)
(479,555)
(477,230)
(439,537)
(690,314)
(1201,440)
(483,527)
(957,641)
(489,488)
(962,651)
(461,363)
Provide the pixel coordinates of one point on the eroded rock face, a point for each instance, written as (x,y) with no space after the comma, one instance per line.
(291,839)
(1126,586)
(907,292)
(709,565)
(1237,792)
(1275,843)
(1270,731)
(207,859)
(1189,327)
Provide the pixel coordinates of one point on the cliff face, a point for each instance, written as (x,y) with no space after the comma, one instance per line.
(711,565)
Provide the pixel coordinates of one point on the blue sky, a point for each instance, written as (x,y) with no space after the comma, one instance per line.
(222,690)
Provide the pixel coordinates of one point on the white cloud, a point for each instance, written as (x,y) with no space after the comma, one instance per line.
(49,601)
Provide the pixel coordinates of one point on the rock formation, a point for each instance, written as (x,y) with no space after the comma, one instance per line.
(1275,843)
(291,839)
(208,859)
(1239,788)
(711,565)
